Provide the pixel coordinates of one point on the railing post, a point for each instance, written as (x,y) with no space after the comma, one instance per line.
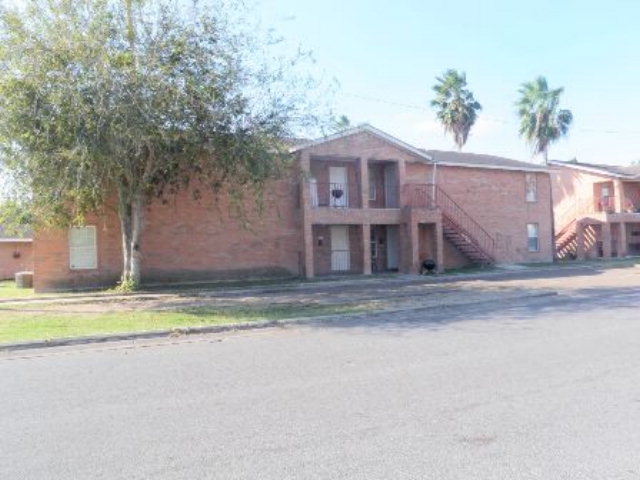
(366,249)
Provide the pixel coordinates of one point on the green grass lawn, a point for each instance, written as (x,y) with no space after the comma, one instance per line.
(17,325)
(8,289)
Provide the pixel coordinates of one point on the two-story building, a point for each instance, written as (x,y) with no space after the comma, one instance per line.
(372,203)
(359,202)
(596,209)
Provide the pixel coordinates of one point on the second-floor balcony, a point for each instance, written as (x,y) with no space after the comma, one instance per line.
(349,195)
(335,195)
(610,204)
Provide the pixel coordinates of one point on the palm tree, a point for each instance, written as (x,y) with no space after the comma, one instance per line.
(542,122)
(457,110)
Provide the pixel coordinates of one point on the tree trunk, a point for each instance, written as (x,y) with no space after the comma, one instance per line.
(137,217)
(125,225)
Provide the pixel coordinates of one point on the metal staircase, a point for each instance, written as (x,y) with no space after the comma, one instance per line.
(566,241)
(458,226)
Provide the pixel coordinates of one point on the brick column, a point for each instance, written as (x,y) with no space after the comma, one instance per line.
(606,239)
(402,179)
(364,183)
(622,240)
(366,248)
(439,234)
(415,250)
(618,191)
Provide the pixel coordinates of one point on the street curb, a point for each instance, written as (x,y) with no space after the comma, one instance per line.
(260,324)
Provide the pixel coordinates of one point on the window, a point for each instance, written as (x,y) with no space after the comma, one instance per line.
(83,254)
(531,187)
(532,235)
(374,249)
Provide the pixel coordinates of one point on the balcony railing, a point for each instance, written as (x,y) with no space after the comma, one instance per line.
(386,197)
(336,195)
(420,195)
(605,204)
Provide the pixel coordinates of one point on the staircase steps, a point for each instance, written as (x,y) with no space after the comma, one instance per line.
(465,243)
(566,242)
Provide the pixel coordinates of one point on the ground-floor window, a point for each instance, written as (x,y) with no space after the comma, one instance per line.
(532,235)
(83,252)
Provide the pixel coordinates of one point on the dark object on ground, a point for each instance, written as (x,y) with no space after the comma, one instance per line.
(24,279)
(428,266)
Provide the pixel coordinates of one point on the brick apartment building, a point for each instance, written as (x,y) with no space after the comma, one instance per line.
(360,202)
(596,209)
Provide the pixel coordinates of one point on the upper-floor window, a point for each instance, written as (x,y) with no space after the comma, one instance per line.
(533,237)
(83,252)
(531,187)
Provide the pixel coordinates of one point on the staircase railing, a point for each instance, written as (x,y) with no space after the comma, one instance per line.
(432,196)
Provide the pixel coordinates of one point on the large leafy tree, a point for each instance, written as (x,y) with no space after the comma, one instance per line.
(123,101)
(456,108)
(542,121)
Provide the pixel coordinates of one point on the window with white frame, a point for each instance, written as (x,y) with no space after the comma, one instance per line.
(533,237)
(531,187)
(83,252)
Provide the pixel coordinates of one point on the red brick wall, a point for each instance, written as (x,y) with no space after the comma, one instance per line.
(187,239)
(15,257)
(495,199)
(574,194)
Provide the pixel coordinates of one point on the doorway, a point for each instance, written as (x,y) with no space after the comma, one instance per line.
(340,254)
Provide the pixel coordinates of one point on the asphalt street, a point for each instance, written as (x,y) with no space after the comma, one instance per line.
(544,388)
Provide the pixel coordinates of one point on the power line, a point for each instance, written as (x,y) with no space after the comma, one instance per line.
(492,119)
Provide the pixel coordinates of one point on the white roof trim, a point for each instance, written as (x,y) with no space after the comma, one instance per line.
(494,167)
(16,240)
(368,129)
(591,169)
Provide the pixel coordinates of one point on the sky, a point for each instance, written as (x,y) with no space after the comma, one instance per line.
(385,56)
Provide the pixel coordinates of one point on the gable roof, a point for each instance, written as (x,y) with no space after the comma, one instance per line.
(365,128)
(456,159)
(627,172)
(476,160)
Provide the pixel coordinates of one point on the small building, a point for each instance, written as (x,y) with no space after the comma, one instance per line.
(357,202)
(15,254)
(596,209)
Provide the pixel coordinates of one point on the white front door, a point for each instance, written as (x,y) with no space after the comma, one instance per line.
(338,187)
(340,254)
(392,247)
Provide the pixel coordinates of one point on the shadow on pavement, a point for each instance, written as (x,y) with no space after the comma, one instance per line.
(517,309)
